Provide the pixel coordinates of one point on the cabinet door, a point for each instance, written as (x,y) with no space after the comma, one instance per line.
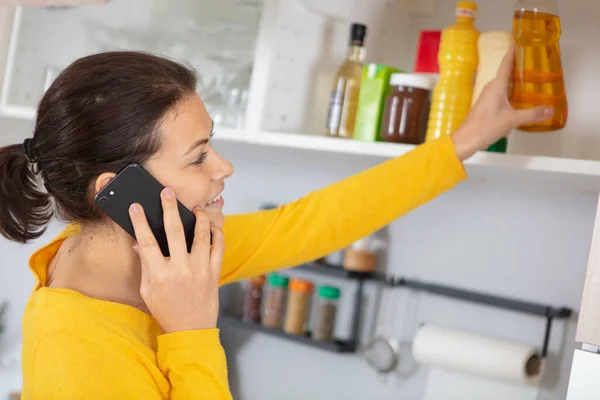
(216,37)
(584,383)
(588,325)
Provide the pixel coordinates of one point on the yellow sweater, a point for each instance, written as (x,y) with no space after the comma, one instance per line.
(77,347)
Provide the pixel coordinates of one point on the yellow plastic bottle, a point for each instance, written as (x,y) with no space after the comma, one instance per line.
(458,59)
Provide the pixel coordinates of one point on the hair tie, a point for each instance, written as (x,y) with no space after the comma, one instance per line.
(28,150)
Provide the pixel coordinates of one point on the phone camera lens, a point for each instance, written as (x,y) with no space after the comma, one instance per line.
(103,201)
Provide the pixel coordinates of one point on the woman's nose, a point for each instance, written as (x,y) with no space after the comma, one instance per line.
(223,169)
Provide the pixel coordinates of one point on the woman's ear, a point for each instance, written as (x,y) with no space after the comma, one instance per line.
(103,180)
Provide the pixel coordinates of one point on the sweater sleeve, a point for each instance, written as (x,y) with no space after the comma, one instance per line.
(193,362)
(334,217)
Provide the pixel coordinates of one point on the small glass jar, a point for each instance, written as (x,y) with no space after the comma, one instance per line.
(407,109)
(253,299)
(298,306)
(326,313)
(275,301)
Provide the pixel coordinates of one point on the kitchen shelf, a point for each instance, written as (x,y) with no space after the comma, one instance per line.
(336,346)
(555,172)
(339,272)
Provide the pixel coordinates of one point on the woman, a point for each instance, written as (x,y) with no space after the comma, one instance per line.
(111,318)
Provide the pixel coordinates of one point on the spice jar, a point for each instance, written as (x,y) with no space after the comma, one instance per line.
(406,112)
(298,306)
(253,299)
(275,301)
(326,313)
(361,256)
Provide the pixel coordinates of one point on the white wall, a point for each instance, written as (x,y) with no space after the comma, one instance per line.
(16,281)
(529,243)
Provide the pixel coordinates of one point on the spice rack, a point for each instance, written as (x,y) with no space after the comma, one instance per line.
(350,346)
(337,346)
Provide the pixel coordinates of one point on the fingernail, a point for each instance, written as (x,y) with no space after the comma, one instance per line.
(168,193)
(135,208)
(548,111)
(136,248)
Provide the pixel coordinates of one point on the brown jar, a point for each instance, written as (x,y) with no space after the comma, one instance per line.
(298,306)
(406,111)
(253,299)
(276,292)
(359,260)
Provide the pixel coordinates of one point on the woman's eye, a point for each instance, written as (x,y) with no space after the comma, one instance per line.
(200,158)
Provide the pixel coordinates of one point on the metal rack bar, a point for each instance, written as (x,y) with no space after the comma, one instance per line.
(486,299)
(495,301)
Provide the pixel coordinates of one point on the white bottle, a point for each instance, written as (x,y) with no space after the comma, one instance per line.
(492,47)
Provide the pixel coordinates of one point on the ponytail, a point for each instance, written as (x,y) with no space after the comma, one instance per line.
(25,209)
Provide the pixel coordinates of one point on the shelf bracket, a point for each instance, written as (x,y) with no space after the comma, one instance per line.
(547,337)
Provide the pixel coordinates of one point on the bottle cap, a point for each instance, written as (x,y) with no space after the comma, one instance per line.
(466,9)
(329,292)
(298,285)
(278,280)
(358,33)
(258,280)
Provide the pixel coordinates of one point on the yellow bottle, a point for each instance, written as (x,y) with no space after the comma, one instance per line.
(458,60)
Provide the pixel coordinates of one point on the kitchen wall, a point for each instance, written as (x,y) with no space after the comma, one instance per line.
(531,243)
(489,235)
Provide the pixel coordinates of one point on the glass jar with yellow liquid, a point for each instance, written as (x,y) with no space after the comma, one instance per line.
(538,74)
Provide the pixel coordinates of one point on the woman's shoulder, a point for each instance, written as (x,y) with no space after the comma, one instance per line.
(70,314)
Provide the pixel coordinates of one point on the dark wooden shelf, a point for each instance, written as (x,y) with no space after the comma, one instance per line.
(336,346)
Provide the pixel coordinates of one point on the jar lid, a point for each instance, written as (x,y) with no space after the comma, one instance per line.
(278,280)
(411,80)
(298,285)
(329,292)
(258,280)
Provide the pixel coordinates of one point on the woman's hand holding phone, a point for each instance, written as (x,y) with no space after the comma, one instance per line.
(180,291)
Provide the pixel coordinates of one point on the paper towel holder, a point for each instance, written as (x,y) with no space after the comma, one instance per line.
(550,313)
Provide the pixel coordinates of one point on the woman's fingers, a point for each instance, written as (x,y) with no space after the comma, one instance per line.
(173,225)
(505,71)
(531,115)
(217,250)
(201,245)
(147,246)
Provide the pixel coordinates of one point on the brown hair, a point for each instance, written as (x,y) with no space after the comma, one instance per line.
(100,114)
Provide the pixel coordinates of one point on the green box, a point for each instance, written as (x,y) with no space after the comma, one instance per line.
(374,88)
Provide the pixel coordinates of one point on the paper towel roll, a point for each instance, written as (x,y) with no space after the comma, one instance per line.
(478,355)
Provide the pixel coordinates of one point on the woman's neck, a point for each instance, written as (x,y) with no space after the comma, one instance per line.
(99,263)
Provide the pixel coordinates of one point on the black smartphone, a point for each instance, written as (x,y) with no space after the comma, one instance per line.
(136,185)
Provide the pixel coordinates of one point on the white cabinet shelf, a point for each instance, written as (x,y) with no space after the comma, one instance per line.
(294,47)
(558,173)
